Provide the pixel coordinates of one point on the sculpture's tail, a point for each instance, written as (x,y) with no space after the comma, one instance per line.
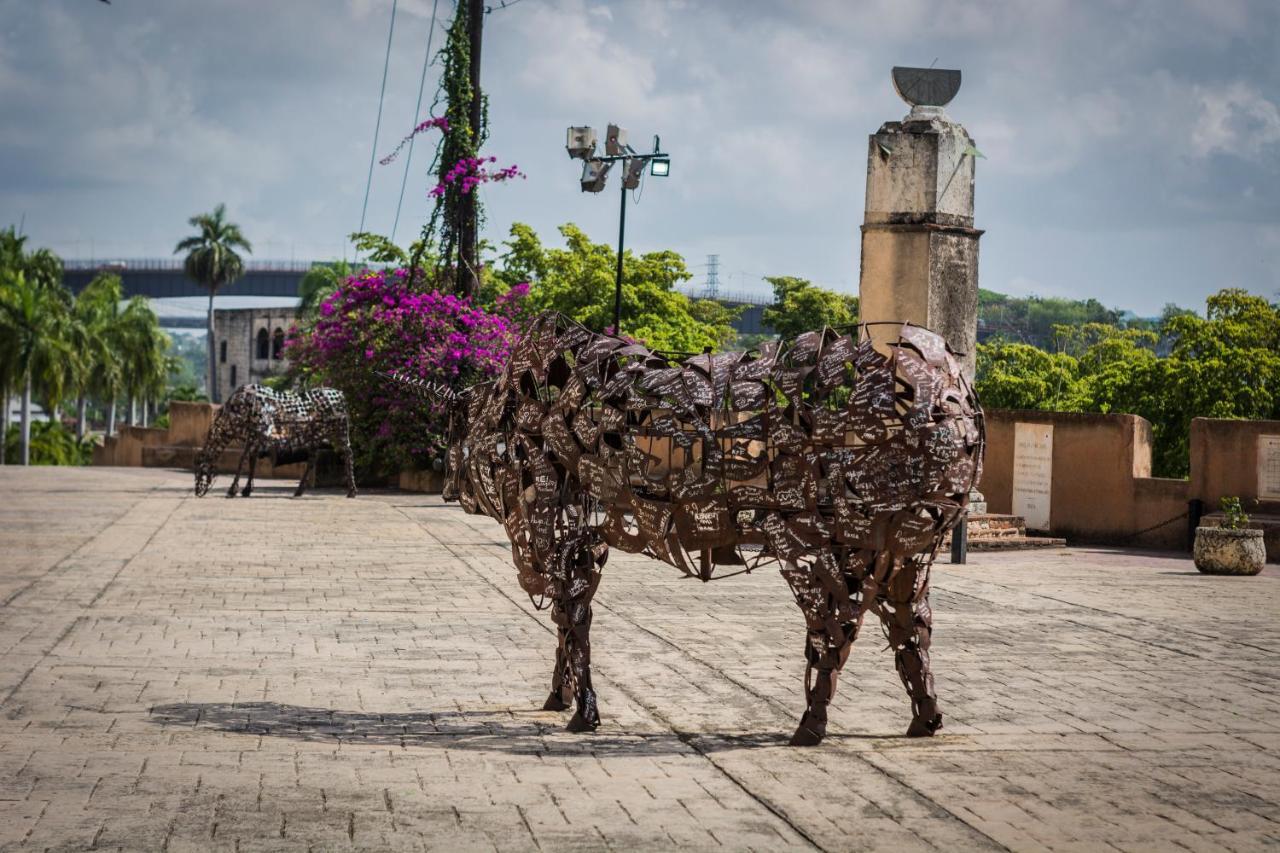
(431,391)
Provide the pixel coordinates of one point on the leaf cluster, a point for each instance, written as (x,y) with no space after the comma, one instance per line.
(800,306)
(578,281)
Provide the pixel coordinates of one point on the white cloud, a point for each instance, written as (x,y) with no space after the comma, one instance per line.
(121,121)
(1235,119)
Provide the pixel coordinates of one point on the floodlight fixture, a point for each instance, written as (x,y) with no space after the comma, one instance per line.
(615,141)
(660,167)
(594,174)
(580,142)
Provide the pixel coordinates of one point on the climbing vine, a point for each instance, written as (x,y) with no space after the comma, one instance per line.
(447,227)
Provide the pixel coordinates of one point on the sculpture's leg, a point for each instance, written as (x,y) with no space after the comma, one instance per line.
(345,448)
(253,466)
(908,621)
(825,655)
(306,472)
(578,576)
(561,689)
(235,484)
(832,623)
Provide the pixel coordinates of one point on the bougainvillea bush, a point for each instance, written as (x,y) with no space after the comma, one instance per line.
(384,320)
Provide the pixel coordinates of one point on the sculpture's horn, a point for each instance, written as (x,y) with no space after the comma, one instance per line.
(432,391)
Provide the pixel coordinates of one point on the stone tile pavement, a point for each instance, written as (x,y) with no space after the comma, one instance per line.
(279,674)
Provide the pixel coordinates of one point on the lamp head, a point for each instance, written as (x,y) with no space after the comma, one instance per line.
(632,172)
(580,142)
(615,141)
(594,175)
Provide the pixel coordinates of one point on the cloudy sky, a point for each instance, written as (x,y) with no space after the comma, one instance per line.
(1132,147)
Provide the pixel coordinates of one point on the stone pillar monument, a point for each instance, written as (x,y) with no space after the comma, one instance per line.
(919,246)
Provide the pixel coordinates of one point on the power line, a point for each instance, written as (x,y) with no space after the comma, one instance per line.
(417,111)
(502,4)
(373,155)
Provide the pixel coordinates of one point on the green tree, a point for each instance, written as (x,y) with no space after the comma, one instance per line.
(1020,376)
(800,306)
(35,343)
(578,281)
(96,366)
(1032,319)
(212,261)
(144,351)
(318,284)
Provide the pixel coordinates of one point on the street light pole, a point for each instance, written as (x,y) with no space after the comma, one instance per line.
(581,145)
(617,286)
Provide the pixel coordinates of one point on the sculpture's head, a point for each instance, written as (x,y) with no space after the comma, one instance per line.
(454,405)
(205,471)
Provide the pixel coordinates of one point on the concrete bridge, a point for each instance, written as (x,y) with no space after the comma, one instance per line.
(163,278)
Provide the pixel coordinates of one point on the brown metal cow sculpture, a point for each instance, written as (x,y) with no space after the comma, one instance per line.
(840,463)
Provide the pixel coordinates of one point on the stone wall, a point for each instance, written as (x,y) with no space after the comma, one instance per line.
(1224,461)
(1101,488)
(125,448)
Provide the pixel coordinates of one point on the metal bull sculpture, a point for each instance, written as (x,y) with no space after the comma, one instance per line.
(843,465)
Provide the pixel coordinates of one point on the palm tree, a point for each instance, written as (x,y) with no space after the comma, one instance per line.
(212,262)
(35,320)
(34,325)
(143,349)
(317,285)
(96,367)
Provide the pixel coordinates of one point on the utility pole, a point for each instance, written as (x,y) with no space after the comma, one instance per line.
(468,249)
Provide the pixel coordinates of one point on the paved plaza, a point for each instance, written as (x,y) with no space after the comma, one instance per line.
(332,674)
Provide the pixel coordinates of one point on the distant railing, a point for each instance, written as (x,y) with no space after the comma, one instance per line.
(175,265)
(740,297)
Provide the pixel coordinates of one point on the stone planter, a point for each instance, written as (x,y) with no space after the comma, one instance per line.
(1219,551)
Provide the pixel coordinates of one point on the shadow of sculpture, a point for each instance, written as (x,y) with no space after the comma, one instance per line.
(516,732)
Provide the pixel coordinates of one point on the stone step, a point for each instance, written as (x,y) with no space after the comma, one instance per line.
(995,519)
(999,532)
(1016,543)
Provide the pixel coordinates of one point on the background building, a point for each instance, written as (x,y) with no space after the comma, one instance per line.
(249,346)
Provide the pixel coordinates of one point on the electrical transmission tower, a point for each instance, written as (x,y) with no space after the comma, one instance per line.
(712,289)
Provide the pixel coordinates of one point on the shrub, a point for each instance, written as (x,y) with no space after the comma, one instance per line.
(1235,518)
(384,320)
(51,444)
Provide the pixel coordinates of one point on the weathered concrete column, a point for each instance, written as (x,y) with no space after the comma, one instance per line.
(919,246)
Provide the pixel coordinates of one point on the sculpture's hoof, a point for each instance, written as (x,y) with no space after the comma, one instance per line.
(245,493)
(231,494)
(925,726)
(578,723)
(810,732)
(351,494)
(555,702)
(298,493)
